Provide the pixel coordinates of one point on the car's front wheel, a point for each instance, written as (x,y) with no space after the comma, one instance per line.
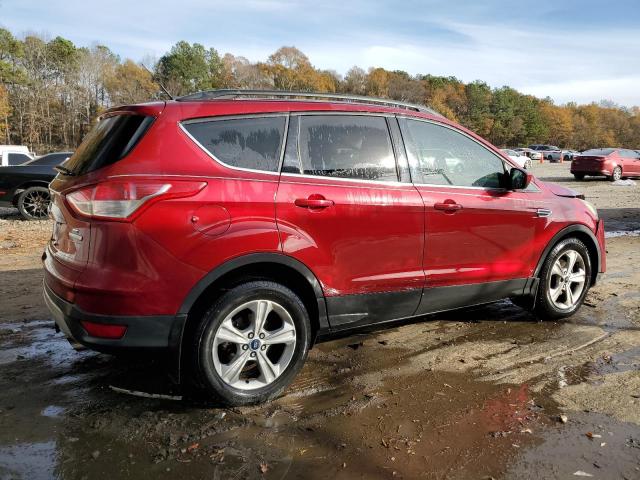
(579,176)
(251,343)
(564,280)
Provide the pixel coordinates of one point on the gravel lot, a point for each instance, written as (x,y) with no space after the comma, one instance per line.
(477,393)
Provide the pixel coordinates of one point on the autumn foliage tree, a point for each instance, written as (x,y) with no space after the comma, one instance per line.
(52,91)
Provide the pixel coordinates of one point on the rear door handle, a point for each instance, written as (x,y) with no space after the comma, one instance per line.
(448,206)
(313,202)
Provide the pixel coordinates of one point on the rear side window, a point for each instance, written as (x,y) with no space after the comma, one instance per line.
(17,158)
(347,146)
(109,141)
(439,155)
(254,143)
(51,159)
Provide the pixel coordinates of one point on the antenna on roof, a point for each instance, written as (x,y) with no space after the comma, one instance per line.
(159,83)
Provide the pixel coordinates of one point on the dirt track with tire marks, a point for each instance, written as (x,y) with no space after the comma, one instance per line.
(488,391)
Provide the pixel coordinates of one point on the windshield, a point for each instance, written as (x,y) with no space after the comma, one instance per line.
(109,141)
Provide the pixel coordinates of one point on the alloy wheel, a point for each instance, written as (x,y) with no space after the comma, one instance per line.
(36,203)
(254,344)
(567,280)
(617,173)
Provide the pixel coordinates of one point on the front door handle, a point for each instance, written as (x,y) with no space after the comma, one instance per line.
(448,206)
(314,202)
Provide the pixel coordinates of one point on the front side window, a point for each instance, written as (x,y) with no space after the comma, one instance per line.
(439,155)
(253,142)
(347,146)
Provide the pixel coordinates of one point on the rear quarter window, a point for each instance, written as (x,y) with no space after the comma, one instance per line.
(253,143)
(109,141)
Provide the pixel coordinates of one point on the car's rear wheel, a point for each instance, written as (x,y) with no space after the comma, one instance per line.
(616,174)
(33,203)
(251,343)
(564,280)
(579,176)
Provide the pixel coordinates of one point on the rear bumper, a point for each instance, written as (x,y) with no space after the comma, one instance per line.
(587,171)
(143,332)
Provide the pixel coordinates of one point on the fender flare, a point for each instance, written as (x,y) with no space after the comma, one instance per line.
(244,260)
(563,233)
(178,328)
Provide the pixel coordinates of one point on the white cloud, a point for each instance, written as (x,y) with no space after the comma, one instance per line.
(576,61)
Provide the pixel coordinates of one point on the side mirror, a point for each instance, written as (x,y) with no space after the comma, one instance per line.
(519,179)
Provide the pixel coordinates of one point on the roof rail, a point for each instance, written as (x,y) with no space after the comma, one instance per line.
(230,94)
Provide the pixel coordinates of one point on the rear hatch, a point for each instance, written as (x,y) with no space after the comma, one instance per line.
(114,136)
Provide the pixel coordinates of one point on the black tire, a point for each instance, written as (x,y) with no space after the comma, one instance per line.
(544,307)
(206,376)
(616,174)
(579,176)
(33,203)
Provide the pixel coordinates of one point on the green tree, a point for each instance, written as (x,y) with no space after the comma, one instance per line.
(188,68)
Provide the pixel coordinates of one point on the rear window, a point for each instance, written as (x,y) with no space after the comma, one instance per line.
(52,159)
(17,158)
(599,151)
(254,143)
(109,141)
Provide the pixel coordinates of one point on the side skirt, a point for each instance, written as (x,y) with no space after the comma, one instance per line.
(353,311)
(438,299)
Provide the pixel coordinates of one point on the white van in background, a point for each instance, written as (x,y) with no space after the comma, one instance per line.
(14,155)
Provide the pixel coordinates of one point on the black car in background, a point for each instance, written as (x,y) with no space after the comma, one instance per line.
(26,186)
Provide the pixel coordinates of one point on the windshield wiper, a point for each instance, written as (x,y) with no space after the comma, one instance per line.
(64,171)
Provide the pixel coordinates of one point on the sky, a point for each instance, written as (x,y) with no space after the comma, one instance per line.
(569,50)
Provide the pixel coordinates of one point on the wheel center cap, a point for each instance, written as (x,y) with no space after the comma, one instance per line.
(254,344)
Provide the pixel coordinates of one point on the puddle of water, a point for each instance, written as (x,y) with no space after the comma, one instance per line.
(33,461)
(567,449)
(52,411)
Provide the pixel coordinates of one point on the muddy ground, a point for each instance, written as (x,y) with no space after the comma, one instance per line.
(478,393)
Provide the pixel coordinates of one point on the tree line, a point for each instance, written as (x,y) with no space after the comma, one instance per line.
(52,91)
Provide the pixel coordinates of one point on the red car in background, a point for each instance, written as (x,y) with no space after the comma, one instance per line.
(231,229)
(613,163)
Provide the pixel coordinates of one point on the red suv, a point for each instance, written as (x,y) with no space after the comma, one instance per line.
(232,229)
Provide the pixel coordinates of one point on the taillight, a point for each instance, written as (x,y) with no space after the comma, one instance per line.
(120,199)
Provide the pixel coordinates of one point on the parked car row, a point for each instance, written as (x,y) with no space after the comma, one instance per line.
(553,153)
(26,186)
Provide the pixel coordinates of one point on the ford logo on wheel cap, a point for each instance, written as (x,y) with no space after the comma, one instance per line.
(254,344)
